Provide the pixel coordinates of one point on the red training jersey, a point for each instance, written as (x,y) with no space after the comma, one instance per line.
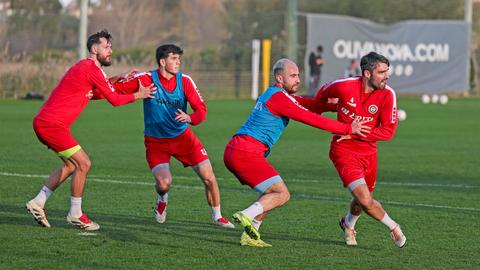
(70,97)
(378,108)
(192,94)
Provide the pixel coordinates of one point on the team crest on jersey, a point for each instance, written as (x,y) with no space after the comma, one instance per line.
(373,109)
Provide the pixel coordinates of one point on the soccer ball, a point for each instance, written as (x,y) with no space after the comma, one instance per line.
(443,99)
(402,115)
(435,98)
(425,99)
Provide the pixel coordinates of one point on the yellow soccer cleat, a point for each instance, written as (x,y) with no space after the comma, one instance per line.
(248,227)
(246,240)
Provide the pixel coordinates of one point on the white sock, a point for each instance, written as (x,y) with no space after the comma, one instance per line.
(42,196)
(216,213)
(350,220)
(388,222)
(76,207)
(253,210)
(257,223)
(162,198)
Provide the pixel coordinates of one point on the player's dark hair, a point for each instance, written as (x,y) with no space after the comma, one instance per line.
(370,61)
(320,48)
(164,50)
(95,38)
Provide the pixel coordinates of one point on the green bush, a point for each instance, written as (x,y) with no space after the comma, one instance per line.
(135,56)
(44,56)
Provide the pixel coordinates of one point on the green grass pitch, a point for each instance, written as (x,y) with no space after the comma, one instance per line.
(428,181)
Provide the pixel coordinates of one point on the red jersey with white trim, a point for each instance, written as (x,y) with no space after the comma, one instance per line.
(190,89)
(70,97)
(378,108)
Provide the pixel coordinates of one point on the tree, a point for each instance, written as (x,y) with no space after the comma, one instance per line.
(33,25)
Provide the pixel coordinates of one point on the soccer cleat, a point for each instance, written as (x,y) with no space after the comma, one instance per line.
(398,237)
(248,227)
(223,222)
(161,212)
(246,240)
(349,234)
(39,213)
(83,223)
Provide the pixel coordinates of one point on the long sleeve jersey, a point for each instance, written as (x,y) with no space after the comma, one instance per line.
(272,112)
(347,98)
(70,97)
(192,94)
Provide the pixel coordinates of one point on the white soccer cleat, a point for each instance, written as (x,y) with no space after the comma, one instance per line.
(349,234)
(39,213)
(161,212)
(223,222)
(398,237)
(83,223)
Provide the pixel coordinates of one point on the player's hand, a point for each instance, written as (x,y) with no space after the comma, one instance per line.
(181,116)
(129,75)
(145,92)
(123,76)
(360,128)
(89,95)
(344,137)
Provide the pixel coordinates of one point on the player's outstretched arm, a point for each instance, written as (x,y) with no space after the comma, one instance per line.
(123,76)
(282,104)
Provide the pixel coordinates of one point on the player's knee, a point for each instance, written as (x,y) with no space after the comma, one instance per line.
(366,202)
(84,165)
(163,185)
(209,180)
(284,196)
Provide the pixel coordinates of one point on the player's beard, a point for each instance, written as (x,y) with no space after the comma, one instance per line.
(291,89)
(377,85)
(105,61)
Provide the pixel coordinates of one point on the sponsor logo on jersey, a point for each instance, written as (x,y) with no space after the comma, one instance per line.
(175,103)
(352,102)
(258,106)
(359,118)
(373,109)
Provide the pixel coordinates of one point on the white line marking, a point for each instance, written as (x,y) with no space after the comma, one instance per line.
(299,195)
(299,180)
(87,234)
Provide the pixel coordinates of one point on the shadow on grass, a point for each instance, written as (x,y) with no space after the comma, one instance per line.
(126,228)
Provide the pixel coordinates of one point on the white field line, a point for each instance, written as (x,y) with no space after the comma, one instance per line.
(299,180)
(298,195)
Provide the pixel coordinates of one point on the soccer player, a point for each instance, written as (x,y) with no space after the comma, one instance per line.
(53,121)
(245,154)
(167,131)
(369,99)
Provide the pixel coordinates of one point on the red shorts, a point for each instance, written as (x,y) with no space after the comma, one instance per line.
(55,136)
(244,157)
(351,167)
(186,148)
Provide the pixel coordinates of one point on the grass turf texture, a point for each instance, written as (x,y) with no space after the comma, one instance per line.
(428,181)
